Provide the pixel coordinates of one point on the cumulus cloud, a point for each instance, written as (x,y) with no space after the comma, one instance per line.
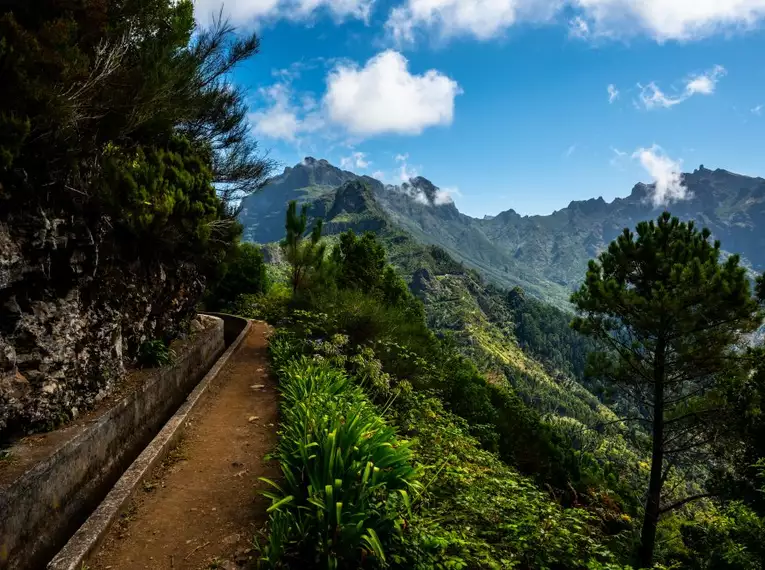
(613,93)
(383,96)
(482,19)
(355,160)
(652,97)
(662,20)
(705,83)
(246,12)
(380,97)
(666,173)
(281,118)
(669,19)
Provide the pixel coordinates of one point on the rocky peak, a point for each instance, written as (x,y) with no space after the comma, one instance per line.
(588,207)
(426,186)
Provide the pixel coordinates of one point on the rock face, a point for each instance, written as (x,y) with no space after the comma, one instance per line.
(73,311)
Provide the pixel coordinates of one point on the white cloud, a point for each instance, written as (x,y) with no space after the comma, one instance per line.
(482,19)
(661,20)
(757,110)
(379,175)
(666,173)
(379,98)
(618,157)
(445,195)
(402,157)
(355,160)
(705,83)
(569,151)
(613,93)
(281,118)
(652,97)
(406,172)
(384,97)
(244,12)
(579,28)
(669,19)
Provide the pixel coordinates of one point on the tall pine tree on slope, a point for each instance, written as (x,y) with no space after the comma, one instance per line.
(673,316)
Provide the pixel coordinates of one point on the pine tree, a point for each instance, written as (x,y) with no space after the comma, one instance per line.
(303,255)
(672,314)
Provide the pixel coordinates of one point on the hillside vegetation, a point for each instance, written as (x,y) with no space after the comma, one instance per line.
(511,454)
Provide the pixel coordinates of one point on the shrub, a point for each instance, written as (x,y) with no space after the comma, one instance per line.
(271,306)
(346,475)
(155,353)
(242,273)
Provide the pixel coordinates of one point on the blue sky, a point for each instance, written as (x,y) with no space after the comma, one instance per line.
(506,103)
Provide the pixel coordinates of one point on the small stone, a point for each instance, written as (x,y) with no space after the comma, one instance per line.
(253,419)
(258,386)
(231,539)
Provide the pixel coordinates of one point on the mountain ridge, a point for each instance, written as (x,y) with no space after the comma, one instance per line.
(546,255)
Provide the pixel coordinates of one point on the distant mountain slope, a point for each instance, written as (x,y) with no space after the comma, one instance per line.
(545,255)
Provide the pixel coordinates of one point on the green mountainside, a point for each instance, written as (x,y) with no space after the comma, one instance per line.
(520,343)
(546,255)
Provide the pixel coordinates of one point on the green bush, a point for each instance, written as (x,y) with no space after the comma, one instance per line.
(153,353)
(481,513)
(272,306)
(346,476)
(242,273)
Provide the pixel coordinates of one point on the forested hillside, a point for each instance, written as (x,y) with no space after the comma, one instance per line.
(549,412)
(508,436)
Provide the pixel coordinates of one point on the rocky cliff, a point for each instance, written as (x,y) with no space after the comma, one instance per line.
(73,311)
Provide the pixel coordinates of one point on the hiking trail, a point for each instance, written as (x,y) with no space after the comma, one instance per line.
(202,507)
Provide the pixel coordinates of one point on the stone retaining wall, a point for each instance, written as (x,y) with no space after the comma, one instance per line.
(42,508)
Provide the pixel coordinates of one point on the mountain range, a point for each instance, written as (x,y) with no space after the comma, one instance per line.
(545,255)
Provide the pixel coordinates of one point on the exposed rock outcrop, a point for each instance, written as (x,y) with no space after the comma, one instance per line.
(73,311)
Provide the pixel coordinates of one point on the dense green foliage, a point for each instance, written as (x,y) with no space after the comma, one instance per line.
(120,113)
(544,331)
(672,316)
(305,256)
(468,399)
(243,272)
(362,264)
(155,353)
(475,511)
(347,478)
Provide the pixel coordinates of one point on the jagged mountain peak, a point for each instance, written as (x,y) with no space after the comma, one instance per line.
(546,255)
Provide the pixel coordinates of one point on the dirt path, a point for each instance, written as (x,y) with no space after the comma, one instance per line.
(202,507)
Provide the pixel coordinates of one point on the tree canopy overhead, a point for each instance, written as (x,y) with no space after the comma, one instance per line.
(94,85)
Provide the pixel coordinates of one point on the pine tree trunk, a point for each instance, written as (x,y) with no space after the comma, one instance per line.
(655,483)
